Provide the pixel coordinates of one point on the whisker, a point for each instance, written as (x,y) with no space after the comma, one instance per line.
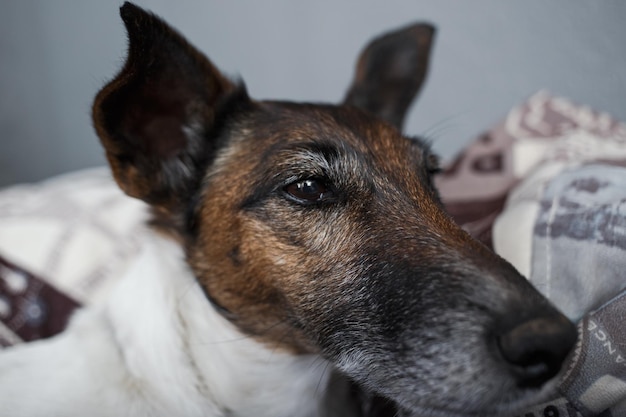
(323,374)
(446,121)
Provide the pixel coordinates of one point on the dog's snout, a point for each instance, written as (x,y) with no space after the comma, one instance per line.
(535,349)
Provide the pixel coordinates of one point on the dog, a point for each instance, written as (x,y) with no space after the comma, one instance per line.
(300,262)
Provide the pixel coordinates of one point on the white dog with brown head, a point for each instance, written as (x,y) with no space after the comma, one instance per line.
(291,242)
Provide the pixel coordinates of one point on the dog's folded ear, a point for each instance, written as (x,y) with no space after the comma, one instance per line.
(157,117)
(390,72)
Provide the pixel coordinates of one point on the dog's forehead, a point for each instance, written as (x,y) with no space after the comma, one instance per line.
(280,125)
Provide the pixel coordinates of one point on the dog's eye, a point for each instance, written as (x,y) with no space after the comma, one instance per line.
(310,190)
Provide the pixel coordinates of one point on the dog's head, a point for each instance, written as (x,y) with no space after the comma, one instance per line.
(317,227)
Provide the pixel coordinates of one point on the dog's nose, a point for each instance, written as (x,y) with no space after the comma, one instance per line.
(535,349)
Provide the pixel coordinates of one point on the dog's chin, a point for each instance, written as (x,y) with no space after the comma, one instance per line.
(507,402)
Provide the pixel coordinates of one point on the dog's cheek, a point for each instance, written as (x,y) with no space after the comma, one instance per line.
(251,274)
(297,256)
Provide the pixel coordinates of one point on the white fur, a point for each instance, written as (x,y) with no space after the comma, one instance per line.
(157,347)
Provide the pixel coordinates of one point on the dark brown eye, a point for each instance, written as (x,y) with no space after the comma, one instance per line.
(309,190)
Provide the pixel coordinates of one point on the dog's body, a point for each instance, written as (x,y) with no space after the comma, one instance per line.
(293,242)
(176,357)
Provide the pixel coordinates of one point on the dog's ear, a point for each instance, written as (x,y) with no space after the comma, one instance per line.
(390,72)
(157,117)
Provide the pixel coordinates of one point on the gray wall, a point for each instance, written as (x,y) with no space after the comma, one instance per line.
(489,55)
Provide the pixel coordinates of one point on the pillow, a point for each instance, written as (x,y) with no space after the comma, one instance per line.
(546,188)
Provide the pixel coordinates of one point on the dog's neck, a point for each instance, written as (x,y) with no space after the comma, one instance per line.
(176,336)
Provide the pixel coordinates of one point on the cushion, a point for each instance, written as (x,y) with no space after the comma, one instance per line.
(546,188)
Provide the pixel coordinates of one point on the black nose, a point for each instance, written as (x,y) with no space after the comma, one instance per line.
(535,349)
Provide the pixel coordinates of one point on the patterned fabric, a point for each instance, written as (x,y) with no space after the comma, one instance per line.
(63,243)
(546,188)
(30,308)
(582,212)
(476,184)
